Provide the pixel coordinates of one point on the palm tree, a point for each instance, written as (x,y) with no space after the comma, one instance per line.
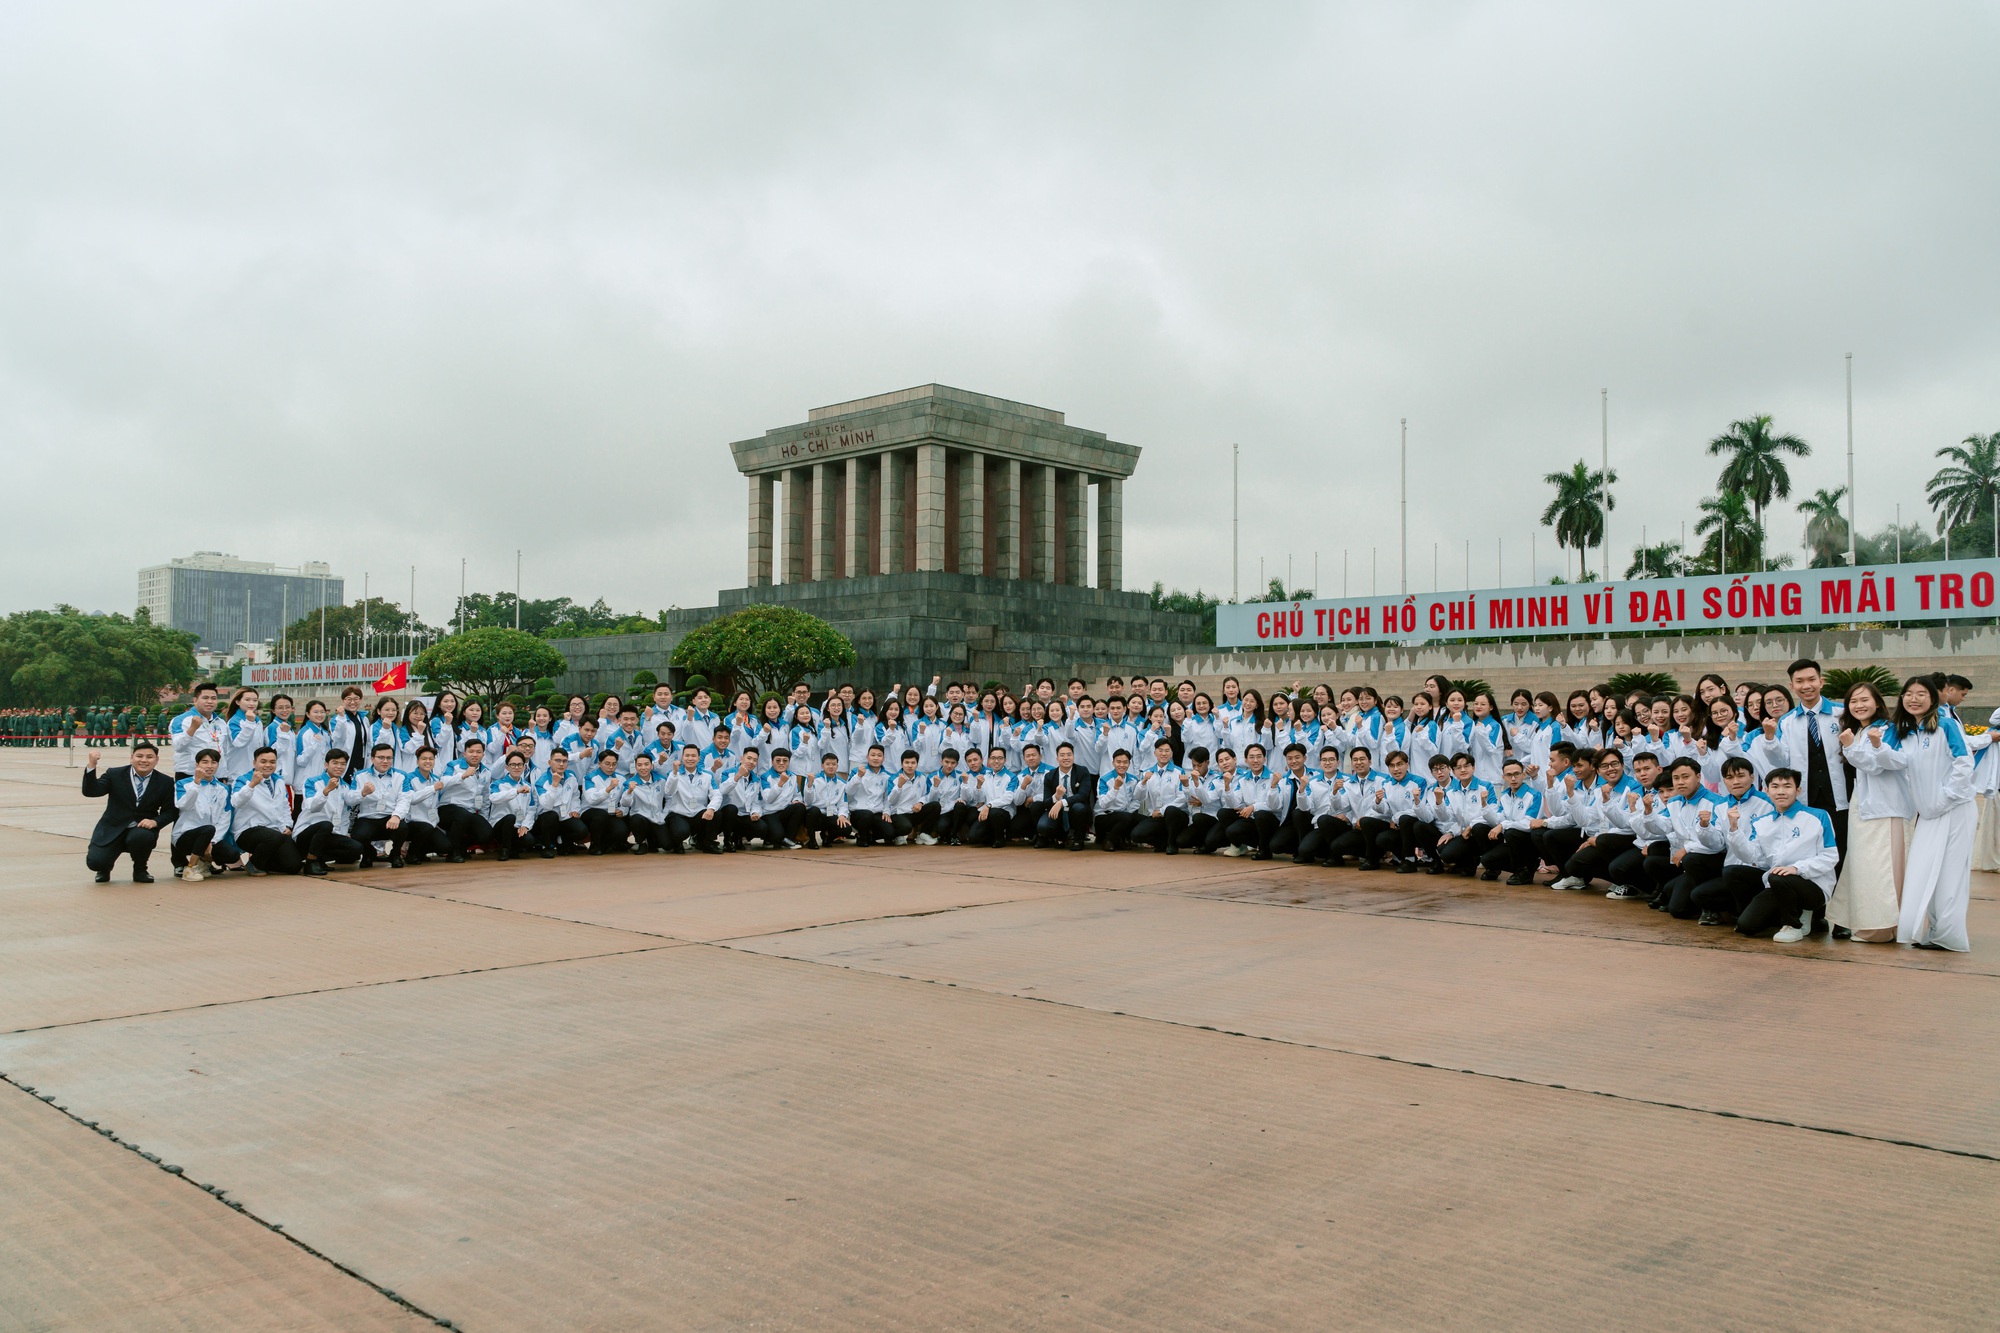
(1756,465)
(1964,495)
(1734,535)
(1577,512)
(1661,560)
(1826,526)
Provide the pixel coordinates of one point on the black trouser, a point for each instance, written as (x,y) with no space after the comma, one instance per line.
(320,843)
(912,822)
(1114,830)
(1027,821)
(1695,870)
(608,831)
(646,835)
(270,850)
(1730,891)
(1197,831)
(1378,839)
(1658,869)
(824,827)
(1233,829)
(1594,861)
(1463,850)
(193,844)
(1068,824)
(1629,866)
(564,832)
(507,839)
(1320,840)
(137,843)
(783,825)
(1415,835)
(1781,902)
(1161,831)
(1276,834)
(419,839)
(1512,851)
(465,828)
(368,832)
(988,832)
(869,827)
(1558,845)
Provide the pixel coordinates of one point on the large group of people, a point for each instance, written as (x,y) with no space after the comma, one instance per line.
(1767,807)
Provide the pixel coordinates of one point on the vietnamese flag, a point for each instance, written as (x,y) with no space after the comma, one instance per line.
(396,677)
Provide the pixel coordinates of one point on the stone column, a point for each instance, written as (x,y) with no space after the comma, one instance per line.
(972,514)
(929,505)
(895,507)
(1007,542)
(823,535)
(1076,529)
(855,539)
(1111,533)
(1040,525)
(761,526)
(797,492)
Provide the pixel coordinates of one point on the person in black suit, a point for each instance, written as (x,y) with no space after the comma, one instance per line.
(139,801)
(1071,795)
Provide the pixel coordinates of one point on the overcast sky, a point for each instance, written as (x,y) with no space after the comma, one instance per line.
(388,284)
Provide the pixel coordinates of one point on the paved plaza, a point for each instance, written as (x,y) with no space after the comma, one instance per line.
(937,1088)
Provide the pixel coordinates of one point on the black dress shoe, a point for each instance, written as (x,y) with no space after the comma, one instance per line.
(456,858)
(396,863)
(548,853)
(104,877)
(141,875)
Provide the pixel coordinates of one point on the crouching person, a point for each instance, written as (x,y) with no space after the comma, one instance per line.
(510,803)
(1794,848)
(465,801)
(781,808)
(260,817)
(201,821)
(646,806)
(324,817)
(559,810)
(827,818)
(604,806)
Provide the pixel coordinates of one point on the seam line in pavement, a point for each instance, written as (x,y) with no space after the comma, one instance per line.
(222,1198)
(1389,1059)
(335,990)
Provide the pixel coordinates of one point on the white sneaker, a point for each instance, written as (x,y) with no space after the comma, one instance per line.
(191,874)
(926,840)
(1622,891)
(1567,882)
(1793,934)
(1233,850)
(790,846)
(897,842)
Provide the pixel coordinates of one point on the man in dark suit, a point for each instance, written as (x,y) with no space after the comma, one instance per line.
(139,801)
(1071,794)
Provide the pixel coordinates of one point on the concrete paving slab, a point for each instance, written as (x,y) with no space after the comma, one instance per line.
(1536,908)
(702,1138)
(97,1238)
(73,951)
(1761,1035)
(697,897)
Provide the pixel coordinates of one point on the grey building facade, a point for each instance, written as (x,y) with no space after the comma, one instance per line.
(944,532)
(225,601)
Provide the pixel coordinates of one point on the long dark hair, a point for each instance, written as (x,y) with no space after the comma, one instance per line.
(1906,721)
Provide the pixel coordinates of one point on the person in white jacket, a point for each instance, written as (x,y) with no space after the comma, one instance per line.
(1793,849)
(1937,764)
(196,730)
(827,818)
(260,817)
(510,803)
(1867,901)
(201,820)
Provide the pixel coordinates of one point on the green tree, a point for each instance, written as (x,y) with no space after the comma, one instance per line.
(1577,512)
(490,662)
(1733,535)
(1196,603)
(1661,560)
(1826,527)
(764,648)
(1911,543)
(66,657)
(379,615)
(1963,495)
(553,617)
(1756,466)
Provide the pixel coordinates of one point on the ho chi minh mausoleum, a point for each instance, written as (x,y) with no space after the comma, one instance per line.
(943,532)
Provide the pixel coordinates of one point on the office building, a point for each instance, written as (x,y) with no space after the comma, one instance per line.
(225,601)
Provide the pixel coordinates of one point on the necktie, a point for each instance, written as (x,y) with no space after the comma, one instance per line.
(1291,797)
(1819,783)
